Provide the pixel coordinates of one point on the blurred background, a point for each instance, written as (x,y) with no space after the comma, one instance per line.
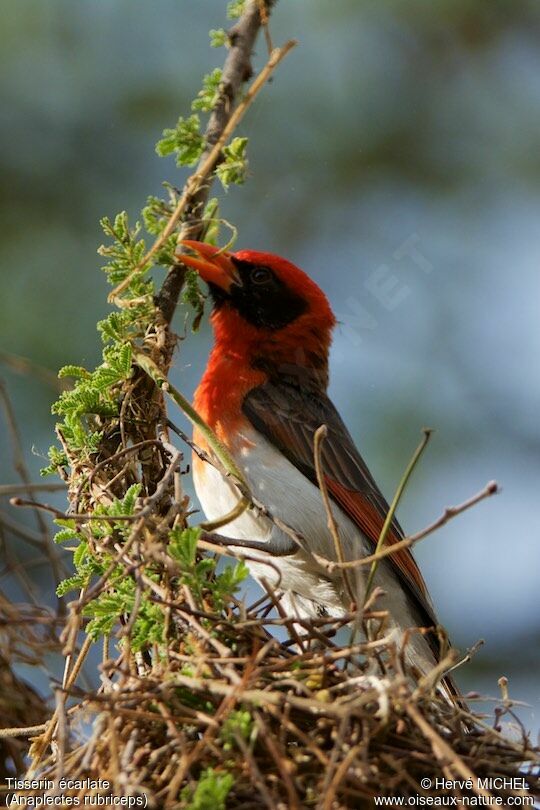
(396,158)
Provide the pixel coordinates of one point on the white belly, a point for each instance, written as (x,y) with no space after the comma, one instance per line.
(290,496)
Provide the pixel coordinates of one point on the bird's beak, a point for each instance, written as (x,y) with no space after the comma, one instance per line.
(215,266)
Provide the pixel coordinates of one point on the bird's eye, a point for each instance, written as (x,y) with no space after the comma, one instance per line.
(260,275)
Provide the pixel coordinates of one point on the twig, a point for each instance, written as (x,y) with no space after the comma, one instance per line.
(133,448)
(238,509)
(263,11)
(443,752)
(76,516)
(255,772)
(153,371)
(279,759)
(449,513)
(318,439)
(393,506)
(297,539)
(226,542)
(98,586)
(25,365)
(26,731)
(19,530)
(41,743)
(207,165)
(15,489)
(20,467)
(237,70)
(240,555)
(327,797)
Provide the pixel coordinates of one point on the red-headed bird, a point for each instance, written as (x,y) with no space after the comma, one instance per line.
(264,393)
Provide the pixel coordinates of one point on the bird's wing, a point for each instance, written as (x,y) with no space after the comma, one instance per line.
(288,417)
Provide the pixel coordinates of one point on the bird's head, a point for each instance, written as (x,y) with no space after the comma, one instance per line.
(264,305)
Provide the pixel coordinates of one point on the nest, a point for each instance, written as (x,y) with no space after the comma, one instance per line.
(232,717)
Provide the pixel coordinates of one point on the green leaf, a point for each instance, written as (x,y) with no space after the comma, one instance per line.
(192,296)
(239,723)
(115,326)
(124,360)
(233,168)
(156,214)
(105,378)
(116,367)
(209,95)
(75,582)
(73,371)
(228,582)
(66,523)
(80,555)
(184,141)
(211,222)
(85,398)
(101,626)
(130,498)
(64,535)
(183,546)
(218,37)
(57,459)
(235,9)
(119,600)
(126,252)
(149,627)
(211,791)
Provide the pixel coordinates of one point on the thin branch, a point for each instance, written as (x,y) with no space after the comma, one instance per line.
(27,731)
(16,489)
(133,448)
(27,366)
(204,170)
(265,19)
(443,752)
(77,516)
(238,509)
(449,513)
(38,748)
(393,506)
(22,470)
(98,586)
(153,371)
(318,439)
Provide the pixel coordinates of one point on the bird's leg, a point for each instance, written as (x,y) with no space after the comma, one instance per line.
(271,547)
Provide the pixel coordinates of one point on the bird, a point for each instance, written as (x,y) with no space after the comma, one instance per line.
(264,395)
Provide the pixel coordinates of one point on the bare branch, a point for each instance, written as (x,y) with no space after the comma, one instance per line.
(318,439)
(449,514)
(223,121)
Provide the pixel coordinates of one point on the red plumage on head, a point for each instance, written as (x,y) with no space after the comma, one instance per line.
(241,349)
(305,341)
(296,279)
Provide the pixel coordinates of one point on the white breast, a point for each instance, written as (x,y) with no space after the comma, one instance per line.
(308,589)
(290,496)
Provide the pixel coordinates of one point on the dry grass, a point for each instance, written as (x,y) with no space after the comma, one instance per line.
(286,725)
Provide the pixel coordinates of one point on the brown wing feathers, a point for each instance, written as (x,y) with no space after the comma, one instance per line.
(288,417)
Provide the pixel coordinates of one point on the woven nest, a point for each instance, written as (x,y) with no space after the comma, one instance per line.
(233,717)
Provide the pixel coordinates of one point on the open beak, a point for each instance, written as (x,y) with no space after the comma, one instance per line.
(212,264)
